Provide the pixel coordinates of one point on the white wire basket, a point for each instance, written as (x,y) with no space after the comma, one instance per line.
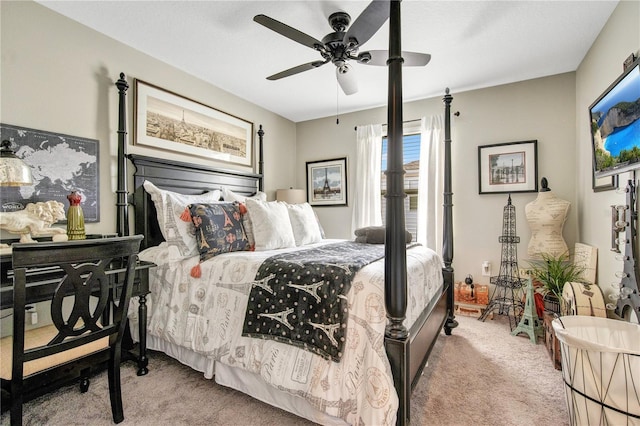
(601,369)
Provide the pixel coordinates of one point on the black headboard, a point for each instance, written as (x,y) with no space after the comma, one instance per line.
(184,178)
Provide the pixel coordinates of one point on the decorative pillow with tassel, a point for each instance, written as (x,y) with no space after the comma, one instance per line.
(169,205)
(218,230)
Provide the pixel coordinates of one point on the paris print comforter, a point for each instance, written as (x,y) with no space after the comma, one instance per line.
(206,315)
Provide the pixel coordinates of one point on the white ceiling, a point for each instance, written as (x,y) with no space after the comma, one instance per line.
(474,44)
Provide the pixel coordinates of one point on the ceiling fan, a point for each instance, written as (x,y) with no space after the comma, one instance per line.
(342,45)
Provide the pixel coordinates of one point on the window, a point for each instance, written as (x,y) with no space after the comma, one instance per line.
(411,161)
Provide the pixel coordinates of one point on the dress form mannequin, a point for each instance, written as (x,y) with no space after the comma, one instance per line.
(546,216)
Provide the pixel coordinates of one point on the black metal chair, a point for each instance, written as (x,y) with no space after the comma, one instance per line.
(92,321)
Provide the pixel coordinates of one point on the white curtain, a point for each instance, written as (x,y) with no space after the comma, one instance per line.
(430,182)
(367,205)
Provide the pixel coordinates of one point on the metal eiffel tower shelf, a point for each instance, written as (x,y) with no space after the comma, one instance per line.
(507,283)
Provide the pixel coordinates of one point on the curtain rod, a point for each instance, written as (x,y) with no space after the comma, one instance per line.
(404,122)
(457,114)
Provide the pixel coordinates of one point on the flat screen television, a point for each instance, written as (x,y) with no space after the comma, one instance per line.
(615,125)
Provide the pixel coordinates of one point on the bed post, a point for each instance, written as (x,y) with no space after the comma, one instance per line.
(447,237)
(395,267)
(260,159)
(395,245)
(122,203)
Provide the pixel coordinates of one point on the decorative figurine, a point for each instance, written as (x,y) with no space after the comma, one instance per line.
(75,217)
(35,220)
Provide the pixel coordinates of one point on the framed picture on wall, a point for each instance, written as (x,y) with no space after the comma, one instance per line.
(327,182)
(59,164)
(604,183)
(165,120)
(508,167)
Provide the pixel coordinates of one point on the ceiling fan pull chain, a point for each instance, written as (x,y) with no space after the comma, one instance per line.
(337,109)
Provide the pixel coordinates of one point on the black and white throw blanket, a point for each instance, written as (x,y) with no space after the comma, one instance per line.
(300,297)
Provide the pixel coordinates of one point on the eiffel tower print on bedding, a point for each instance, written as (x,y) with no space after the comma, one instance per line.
(300,297)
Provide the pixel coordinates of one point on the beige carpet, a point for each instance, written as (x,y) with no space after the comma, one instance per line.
(480,375)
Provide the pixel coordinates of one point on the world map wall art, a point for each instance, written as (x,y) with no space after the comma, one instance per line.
(59,164)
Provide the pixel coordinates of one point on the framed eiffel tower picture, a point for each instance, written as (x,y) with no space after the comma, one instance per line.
(327,182)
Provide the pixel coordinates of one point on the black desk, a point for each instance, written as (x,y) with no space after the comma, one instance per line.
(43,291)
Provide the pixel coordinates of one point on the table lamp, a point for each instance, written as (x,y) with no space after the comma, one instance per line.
(291,196)
(13,171)
(36,219)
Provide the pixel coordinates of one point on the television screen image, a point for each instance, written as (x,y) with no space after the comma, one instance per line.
(615,125)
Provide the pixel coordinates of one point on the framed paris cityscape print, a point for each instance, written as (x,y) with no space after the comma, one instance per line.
(165,120)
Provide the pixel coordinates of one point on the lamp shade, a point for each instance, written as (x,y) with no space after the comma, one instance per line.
(13,171)
(291,196)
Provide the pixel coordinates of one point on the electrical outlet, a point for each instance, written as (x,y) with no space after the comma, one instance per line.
(32,314)
(486,268)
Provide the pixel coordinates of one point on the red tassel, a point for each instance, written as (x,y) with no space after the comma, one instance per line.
(196,272)
(186,215)
(242,208)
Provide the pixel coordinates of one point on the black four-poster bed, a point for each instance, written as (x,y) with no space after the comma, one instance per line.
(407,349)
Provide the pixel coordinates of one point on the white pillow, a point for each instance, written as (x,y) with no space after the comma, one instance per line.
(304,224)
(319,224)
(229,195)
(271,225)
(178,233)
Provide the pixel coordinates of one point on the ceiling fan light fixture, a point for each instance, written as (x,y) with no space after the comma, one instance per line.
(364,57)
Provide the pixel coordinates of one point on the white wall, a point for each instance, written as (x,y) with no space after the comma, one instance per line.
(58,75)
(601,66)
(541,109)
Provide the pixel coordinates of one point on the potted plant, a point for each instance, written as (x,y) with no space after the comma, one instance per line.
(552,272)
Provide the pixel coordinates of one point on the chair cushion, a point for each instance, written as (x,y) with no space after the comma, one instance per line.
(39,337)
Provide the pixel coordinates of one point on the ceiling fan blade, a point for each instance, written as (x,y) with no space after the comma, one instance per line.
(347,79)
(415,59)
(379,57)
(368,23)
(288,32)
(296,70)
